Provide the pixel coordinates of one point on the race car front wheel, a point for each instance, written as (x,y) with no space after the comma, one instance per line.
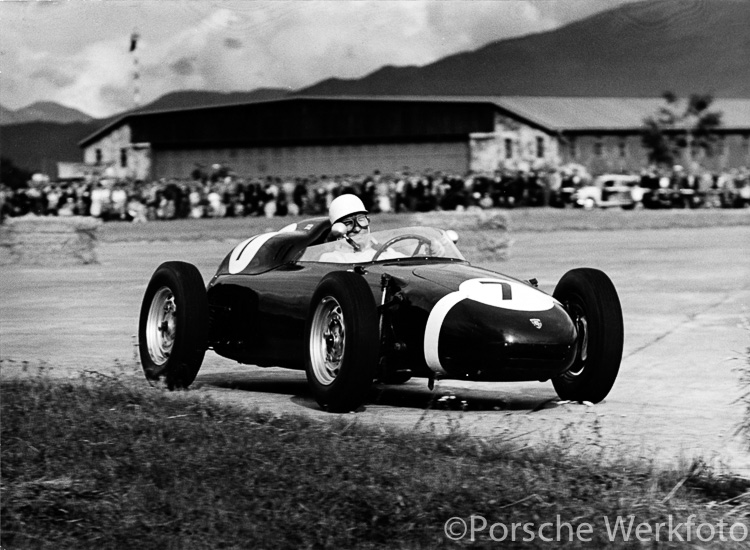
(592,303)
(343,341)
(173,325)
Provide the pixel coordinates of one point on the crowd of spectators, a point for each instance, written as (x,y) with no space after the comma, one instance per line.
(223,194)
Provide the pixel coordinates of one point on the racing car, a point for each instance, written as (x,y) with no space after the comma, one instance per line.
(408,311)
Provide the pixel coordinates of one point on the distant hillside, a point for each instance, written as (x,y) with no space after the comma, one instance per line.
(40,145)
(42,111)
(636,50)
(49,111)
(195,98)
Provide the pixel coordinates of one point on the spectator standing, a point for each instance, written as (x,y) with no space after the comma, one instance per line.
(270,194)
(215,205)
(99,200)
(119,202)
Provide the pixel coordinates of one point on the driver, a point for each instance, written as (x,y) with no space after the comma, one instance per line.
(356,245)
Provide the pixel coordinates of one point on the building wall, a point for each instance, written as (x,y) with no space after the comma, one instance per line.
(106,151)
(730,151)
(513,145)
(315,159)
(606,153)
(118,156)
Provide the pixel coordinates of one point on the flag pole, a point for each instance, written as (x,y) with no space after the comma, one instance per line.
(136,69)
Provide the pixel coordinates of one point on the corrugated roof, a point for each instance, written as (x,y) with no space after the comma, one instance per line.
(578,113)
(553,114)
(611,113)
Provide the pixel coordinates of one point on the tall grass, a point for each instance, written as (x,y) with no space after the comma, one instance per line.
(102,463)
(743,427)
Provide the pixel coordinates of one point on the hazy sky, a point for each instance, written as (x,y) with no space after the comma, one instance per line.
(76,52)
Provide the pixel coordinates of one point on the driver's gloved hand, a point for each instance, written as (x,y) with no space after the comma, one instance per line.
(437,248)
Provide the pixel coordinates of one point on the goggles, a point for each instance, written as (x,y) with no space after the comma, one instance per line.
(361,220)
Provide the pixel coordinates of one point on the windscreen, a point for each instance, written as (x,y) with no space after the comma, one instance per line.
(406,242)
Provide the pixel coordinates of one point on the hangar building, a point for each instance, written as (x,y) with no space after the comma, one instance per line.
(304,135)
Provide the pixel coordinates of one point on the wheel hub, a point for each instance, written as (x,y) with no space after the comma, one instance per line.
(334,338)
(161,326)
(327,340)
(583,345)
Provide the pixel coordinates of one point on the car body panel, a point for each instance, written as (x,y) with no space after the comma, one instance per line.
(443,316)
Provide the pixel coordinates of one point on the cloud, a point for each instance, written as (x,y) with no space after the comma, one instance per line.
(233,43)
(76,52)
(55,77)
(183,66)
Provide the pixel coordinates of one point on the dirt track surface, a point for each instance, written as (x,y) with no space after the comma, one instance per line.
(684,292)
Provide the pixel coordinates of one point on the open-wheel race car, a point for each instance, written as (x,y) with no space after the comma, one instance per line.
(408,311)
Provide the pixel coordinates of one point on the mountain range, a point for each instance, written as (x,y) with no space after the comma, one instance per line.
(43,111)
(636,50)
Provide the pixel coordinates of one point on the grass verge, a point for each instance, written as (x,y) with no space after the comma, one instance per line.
(98,463)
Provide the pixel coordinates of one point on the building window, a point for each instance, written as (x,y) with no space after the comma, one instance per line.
(540,147)
(123,158)
(508,148)
(98,154)
(573,148)
(598,148)
(623,146)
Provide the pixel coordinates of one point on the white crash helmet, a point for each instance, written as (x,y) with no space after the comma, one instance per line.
(345,205)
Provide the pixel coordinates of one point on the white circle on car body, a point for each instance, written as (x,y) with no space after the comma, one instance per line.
(244,252)
(500,293)
(506,294)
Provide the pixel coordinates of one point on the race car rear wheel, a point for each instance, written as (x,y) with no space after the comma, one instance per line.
(592,302)
(173,325)
(343,342)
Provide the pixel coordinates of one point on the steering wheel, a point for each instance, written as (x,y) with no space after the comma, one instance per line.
(421,241)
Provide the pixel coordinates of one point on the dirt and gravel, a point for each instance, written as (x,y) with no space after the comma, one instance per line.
(685,295)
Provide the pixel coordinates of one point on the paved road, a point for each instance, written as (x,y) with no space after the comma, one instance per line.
(684,293)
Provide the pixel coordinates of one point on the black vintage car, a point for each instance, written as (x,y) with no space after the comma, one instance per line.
(404,312)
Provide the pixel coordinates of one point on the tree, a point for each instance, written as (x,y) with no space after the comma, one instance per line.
(679,128)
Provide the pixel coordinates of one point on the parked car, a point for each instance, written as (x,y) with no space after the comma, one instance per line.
(405,312)
(610,190)
(736,195)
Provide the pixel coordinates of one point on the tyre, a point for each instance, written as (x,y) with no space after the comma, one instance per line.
(343,342)
(173,325)
(592,302)
(589,204)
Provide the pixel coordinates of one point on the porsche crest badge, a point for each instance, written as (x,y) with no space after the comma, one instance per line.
(536,322)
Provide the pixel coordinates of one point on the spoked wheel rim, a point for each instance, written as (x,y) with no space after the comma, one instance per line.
(161,325)
(327,340)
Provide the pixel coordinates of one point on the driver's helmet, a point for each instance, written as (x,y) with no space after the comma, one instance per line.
(344,206)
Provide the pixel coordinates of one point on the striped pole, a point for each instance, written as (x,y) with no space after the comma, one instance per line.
(136,70)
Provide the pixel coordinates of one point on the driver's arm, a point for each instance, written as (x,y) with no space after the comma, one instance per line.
(439,246)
